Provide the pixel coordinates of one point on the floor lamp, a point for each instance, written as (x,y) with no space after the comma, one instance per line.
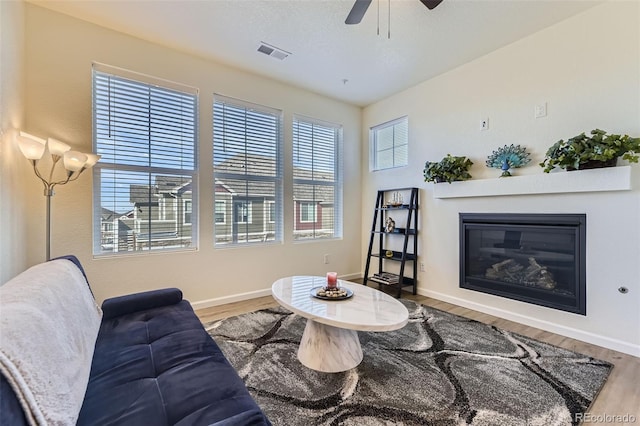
(74,163)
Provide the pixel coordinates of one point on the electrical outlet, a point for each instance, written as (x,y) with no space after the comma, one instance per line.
(540,110)
(421,266)
(326,259)
(484,124)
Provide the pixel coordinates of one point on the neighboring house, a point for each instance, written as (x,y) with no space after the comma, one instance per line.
(313,206)
(246,208)
(108,227)
(244,211)
(247,211)
(161,215)
(115,230)
(244,198)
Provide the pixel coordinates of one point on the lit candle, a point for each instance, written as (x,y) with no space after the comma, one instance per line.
(332,279)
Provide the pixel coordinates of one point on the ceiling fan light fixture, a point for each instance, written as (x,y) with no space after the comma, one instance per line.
(272,51)
(360,7)
(357,12)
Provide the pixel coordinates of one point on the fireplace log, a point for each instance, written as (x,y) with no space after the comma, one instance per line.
(509,270)
(533,269)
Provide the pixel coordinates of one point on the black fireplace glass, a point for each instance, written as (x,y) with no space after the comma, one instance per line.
(535,258)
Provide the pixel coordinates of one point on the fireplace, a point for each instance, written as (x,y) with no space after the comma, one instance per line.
(534,258)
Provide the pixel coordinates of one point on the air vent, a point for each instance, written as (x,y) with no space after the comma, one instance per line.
(272,51)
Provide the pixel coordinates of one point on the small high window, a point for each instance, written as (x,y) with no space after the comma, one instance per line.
(389,144)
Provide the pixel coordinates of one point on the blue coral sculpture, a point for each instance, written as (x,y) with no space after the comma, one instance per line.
(508,157)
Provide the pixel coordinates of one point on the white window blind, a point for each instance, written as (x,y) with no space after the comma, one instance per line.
(145,184)
(317,179)
(247,164)
(389,144)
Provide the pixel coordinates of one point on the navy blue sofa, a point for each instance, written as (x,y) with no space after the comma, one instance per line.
(154,364)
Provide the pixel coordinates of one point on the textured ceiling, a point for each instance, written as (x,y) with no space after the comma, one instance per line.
(423,43)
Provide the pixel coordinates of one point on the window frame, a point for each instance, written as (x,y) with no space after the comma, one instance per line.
(161,89)
(374,133)
(267,211)
(223,212)
(251,236)
(337,184)
(314,209)
(248,204)
(185,212)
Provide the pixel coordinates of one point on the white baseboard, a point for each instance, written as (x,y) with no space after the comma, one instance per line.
(584,336)
(348,277)
(201,304)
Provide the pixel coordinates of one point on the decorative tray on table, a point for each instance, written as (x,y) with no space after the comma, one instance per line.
(324,293)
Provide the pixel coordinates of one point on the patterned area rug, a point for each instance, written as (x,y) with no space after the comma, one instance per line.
(440,369)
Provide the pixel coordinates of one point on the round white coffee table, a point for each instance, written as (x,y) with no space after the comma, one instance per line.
(330,340)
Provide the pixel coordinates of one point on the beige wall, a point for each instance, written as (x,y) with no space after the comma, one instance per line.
(13,166)
(59,54)
(587,69)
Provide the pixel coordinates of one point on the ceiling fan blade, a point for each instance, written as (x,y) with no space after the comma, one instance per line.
(357,12)
(431,4)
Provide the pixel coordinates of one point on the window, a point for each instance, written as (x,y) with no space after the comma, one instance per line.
(243,211)
(162,209)
(145,129)
(247,165)
(270,210)
(389,145)
(317,179)
(186,212)
(307,212)
(221,212)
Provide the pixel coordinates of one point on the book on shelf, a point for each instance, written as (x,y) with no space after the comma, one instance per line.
(381,281)
(386,278)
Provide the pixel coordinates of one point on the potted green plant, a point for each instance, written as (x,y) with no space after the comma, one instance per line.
(589,152)
(449,169)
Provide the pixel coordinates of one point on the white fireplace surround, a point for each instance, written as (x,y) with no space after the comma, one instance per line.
(594,180)
(608,197)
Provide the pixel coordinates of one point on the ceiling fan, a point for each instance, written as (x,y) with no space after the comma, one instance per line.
(360,7)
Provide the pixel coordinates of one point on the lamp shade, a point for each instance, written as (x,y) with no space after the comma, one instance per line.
(56,147)
(31,146)
(74,160)
(92,159)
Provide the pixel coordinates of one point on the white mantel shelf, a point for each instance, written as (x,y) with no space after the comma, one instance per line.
(594,180)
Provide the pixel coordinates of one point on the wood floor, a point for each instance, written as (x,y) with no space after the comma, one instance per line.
(620,395)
